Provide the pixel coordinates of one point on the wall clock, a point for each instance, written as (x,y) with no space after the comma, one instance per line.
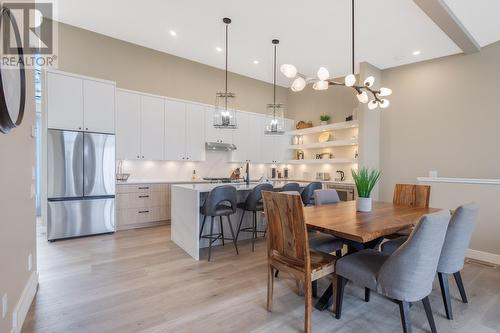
(12,79)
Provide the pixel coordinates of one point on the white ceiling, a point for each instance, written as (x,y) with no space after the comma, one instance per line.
(312,33)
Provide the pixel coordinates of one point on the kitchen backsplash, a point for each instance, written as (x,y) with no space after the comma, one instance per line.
(215,165)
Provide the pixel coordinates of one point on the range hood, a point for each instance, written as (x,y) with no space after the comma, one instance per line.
(220,146)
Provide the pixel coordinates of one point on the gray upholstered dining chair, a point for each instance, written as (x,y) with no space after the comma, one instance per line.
(405,276)
(452,256)
(325,197)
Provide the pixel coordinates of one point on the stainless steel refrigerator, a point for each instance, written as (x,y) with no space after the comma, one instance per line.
(80,184)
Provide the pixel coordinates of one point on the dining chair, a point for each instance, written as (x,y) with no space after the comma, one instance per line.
(288,248)
(326,197)
(308,193)
(410,195)
(453,253)
(405,276)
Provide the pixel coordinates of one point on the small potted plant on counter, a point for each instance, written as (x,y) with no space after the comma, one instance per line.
(324,119)
(365,180)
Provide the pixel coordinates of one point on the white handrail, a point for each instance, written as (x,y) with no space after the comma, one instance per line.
(477,181)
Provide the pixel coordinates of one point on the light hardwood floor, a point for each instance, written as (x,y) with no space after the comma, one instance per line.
(140,281)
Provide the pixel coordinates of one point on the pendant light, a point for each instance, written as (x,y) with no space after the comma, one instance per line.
(323,81)
(276,111)
(225,115)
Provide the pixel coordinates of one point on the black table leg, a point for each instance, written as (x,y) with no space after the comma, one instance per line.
(326,299)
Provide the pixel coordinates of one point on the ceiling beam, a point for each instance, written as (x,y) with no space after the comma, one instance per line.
(441,14)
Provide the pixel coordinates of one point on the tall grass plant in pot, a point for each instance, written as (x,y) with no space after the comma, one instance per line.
(365,180)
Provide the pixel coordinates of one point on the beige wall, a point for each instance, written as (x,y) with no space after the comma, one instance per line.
(142,69)
(444,116)
(17,208)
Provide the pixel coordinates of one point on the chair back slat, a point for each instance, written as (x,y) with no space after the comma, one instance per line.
(412,195)
(286,226)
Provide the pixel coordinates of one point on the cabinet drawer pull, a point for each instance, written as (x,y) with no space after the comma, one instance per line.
(143,211)
(144,188)
(144,196)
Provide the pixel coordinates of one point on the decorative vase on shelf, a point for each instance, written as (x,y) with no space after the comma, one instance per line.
(324,122)
(364,205)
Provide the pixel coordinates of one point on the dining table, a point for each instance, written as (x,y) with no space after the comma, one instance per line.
(360,229)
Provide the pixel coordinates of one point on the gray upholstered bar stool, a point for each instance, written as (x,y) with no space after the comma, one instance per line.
(406,276)
(221,201)
(253,203)
(308,193)
(290,187)
(452,256)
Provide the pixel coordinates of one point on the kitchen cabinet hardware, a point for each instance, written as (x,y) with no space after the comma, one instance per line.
(143,211)
(143,196)
(143,187)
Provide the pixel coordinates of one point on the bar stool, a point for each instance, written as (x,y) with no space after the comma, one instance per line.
(254,204)
(221,201)
(308,193)
(290,187)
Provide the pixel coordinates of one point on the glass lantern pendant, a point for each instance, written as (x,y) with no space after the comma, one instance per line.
(225,115)
(275,122)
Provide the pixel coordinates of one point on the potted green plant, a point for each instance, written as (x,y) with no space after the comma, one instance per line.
(365,179)
(324,119)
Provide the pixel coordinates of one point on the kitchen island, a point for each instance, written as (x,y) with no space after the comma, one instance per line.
(186,218)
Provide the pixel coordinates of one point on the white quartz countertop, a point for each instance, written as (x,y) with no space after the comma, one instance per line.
(240,187)
(336,182)
(160,181)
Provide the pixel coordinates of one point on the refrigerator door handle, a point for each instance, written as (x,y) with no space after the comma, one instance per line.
(99,164)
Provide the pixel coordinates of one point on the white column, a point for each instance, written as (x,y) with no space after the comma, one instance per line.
(369,125)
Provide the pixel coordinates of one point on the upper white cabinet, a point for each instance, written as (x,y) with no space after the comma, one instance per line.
(140,126)
(81,104)
(248,138)
(195,132)
(152,127)
(175,130)
(98,106)
(184,131)
(213,134)
(64,101)
(128,125)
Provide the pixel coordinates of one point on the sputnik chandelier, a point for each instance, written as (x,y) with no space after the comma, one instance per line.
(323,80)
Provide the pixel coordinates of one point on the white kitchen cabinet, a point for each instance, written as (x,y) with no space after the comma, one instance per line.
(175,130)
(248,138)
(128,125)
(152,127)
(242,138)
(213,134)
(195,132)
(64,101)
(98,106)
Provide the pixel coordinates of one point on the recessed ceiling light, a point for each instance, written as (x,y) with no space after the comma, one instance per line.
(255,62)
(416,53)
(218,49)
(173,33)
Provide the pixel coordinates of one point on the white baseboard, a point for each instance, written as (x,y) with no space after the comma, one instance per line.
(23,305)
(484,256)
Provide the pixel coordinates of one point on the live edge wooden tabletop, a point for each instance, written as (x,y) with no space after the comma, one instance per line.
(343,221)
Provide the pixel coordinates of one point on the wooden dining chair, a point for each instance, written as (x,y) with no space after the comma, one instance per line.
(288,247)
(410,195)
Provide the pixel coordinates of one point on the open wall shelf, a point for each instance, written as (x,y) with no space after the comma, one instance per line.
(333,143)
(325,128)
(325,161)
